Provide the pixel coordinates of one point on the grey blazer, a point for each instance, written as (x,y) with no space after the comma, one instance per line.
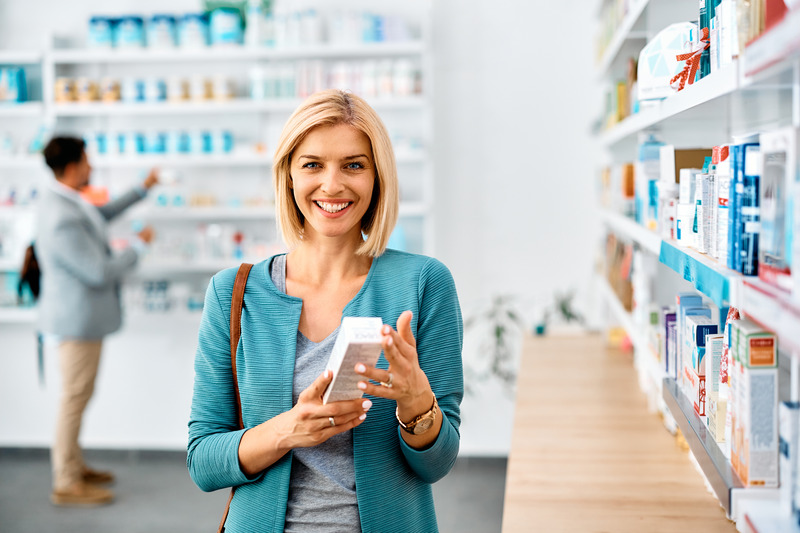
(80,296)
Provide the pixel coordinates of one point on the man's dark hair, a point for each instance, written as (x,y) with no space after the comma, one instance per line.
(61,151)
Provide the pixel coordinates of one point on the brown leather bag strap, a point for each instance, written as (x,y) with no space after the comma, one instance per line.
(236,327)
(236,332)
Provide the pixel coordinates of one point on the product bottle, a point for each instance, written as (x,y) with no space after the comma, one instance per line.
(252,32)
(648,170)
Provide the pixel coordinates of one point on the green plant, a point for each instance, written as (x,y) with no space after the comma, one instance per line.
(500,327)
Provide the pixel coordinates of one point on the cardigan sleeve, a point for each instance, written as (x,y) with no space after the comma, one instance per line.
(214,434)
(439,342)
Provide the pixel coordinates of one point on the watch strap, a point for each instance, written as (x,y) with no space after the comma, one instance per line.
(408,427)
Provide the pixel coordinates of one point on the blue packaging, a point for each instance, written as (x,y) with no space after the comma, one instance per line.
(132,90)
(738,156)
(172,142)
(222,142)
(101,32)
(193,30)
(155,90)
(154,143)
(751,210)
(129,32)
(12,85)
(162,32)
(225,27)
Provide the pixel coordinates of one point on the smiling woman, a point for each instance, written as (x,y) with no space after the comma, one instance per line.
(299,464)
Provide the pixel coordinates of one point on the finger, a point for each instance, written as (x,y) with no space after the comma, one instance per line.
(404,328)
(375,374)
(342,425)
(378,390)
(317,387)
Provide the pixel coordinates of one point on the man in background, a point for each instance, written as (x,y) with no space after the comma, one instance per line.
(80,302)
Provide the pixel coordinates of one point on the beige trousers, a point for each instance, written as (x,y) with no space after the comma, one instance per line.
(79,360)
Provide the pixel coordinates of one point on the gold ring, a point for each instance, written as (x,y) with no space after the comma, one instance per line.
(388,384)
(330,419)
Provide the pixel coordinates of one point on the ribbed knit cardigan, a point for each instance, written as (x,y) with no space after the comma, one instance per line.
(393,480)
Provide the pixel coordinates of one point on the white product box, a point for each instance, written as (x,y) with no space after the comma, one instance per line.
(788,421)
(359,341)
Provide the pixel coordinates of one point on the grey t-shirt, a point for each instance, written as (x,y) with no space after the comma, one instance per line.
(322,487)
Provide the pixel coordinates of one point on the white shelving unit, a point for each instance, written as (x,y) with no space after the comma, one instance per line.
(254,122)
(715,108)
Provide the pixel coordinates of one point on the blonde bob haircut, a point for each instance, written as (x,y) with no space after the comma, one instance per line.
(331,108)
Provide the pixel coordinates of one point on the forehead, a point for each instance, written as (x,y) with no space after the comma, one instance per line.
(340,140)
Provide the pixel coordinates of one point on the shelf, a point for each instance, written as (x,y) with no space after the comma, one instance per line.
(768,517)
(623,33)
(182,160)
(629,229)
(21,109)
(22,162)
(203,213)
(713,463)
(236,53)
(706,274)
(150,269)
(774,310)
(239,105)
(707,90)
(17,315)
(20,57)
(776,47)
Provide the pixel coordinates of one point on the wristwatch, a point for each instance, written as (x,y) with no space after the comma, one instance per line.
(421,423)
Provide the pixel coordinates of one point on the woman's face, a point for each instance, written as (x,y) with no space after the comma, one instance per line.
(333,174)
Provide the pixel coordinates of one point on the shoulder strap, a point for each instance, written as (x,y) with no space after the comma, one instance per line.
(239,285)
(236,326)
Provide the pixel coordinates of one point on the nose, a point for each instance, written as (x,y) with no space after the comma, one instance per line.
(332,182)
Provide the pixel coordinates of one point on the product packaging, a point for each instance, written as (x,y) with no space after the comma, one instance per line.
(739,149)
(359,341)
(670,336)
(756,423)
(658,63)
(698,327)
(722,186)
(789,420)
(130,32)
(101,33)
(751,211)
(778,175)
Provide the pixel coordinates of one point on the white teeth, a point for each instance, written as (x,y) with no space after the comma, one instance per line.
(332,208)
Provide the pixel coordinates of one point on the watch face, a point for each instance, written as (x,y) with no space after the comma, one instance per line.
(423,426)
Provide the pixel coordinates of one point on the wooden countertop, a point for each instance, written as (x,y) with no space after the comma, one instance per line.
(586,455)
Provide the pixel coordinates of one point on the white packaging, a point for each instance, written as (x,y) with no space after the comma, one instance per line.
(788,420)
(359,341)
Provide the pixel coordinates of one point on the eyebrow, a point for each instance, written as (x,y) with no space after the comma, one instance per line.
(311,156)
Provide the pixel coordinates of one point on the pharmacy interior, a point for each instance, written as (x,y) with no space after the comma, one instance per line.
(692,170)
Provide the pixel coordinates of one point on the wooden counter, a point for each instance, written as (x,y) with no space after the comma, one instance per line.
(586,455)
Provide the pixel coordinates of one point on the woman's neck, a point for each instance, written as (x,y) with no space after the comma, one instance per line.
(318,263)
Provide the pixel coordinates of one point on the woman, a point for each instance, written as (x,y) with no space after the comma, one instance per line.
(360,465)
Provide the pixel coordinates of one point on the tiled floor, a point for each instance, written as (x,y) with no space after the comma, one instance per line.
(154,494)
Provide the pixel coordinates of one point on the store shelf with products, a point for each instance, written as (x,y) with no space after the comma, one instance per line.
(712,461)
(754,94)
(623,32)
(237,53)
(211,107)
(706,94)
(20,57)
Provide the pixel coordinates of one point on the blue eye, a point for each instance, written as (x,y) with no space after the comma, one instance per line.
(354,166)
(311,165)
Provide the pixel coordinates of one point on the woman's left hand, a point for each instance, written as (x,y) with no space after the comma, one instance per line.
(404,381)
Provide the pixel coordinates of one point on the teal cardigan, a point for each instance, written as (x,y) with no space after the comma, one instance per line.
(393,480)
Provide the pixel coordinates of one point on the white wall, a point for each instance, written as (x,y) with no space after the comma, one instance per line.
(514,96)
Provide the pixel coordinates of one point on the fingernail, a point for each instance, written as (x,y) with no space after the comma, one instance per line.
(386,330)
(366,405)
(389,342)
(327,373)
(362,385)
(362,417)
(360,368)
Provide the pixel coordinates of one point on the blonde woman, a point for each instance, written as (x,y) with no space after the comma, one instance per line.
(360,465)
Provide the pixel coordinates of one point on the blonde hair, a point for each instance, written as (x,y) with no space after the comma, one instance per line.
(330,108)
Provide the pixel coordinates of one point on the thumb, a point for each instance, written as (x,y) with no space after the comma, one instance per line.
(404,328)
(317,387)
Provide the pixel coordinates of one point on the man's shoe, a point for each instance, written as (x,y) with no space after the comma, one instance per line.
(81,494)
(97,477)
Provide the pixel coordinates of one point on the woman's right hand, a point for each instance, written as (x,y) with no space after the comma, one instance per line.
(306,424)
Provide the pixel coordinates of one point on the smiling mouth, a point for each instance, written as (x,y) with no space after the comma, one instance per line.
(329,207)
